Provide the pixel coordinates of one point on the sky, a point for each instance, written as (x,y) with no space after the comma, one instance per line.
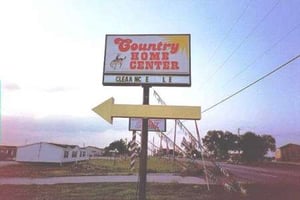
(51,67)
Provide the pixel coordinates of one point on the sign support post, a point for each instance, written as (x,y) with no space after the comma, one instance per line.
(144,149)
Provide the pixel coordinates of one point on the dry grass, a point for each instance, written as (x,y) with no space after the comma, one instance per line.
(116,191)
(121,191)
(86,168)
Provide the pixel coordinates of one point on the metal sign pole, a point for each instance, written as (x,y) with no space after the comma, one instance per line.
(174,139)
(144,149)
(202,155)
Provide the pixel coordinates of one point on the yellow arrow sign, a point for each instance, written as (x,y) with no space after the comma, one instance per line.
(108,110)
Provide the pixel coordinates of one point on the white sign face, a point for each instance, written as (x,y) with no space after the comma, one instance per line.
(158,125)
(161,60)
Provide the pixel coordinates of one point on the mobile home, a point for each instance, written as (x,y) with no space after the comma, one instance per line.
(50,153)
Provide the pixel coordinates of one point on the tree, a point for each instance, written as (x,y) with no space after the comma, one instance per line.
(211,141)
(119,145)
(255,147)
(269,143)
(232,141)
(219,143)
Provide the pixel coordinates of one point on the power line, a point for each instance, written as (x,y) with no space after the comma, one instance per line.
(261,55)
(228,32)
(243,41)
(226,35)
(251,84)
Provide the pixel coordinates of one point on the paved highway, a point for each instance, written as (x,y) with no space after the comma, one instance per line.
(282,174)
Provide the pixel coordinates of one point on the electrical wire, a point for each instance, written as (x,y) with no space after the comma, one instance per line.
(243,41)
(226,35)
(251,84)
(261,55)
(228,32)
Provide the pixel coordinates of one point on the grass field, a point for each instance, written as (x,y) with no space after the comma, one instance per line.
(127,191)
(120,191)
(86,168)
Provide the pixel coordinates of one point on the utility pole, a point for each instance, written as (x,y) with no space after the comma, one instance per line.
(153,147)
(239,145)
(174,139)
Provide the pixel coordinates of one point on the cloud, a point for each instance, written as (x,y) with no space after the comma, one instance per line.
(58,89)
(11,86)
(17,130)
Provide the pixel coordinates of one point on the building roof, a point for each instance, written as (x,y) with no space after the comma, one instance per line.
(95,147)
(64,145)
(289,145)
(55,144)
(7,146)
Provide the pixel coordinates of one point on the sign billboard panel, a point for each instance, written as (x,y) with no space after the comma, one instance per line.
(159,125)
(159,60)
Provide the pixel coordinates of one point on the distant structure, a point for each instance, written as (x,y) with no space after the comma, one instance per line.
(8,152)
(288,153)
(94,152)
(166,152)
(50,153)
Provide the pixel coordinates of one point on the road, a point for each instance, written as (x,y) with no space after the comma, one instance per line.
(283,174)
(153,178)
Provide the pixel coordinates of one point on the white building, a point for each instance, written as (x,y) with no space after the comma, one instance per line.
(50,153)
(94,151)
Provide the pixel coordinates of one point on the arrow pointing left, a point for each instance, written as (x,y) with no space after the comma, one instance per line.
(107,110)
(104,110)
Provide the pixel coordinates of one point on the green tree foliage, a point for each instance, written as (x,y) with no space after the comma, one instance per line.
(119,145)
(270,143)
(219,143)
(254,147)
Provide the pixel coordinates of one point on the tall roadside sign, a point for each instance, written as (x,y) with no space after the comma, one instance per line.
(156,60)
(146,60)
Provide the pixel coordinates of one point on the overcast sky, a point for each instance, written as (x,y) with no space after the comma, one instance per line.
(51,64)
